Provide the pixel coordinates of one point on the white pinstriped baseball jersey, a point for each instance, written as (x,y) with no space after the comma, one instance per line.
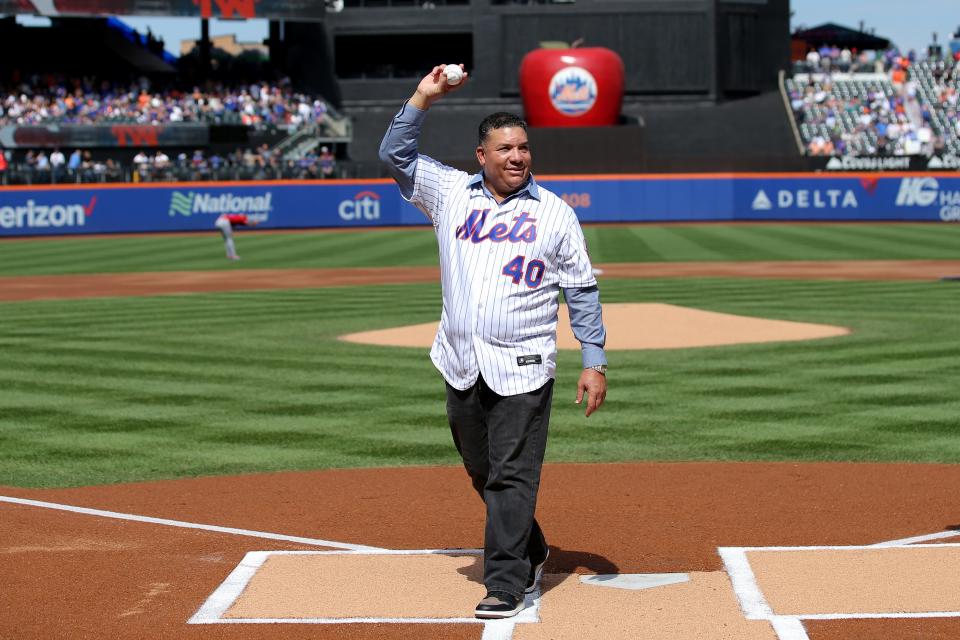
(502,267)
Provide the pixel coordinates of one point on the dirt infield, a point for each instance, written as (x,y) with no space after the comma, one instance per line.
(670,327)
(138,284)
(73,575)
(145,557)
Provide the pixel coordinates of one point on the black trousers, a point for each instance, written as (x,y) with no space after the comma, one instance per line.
(502,440)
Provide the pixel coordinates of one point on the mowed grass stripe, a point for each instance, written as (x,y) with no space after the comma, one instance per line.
(881,244)
(730,242)
(341,249)
(209,312)
(812,243)
(417,246)
(176,386)
(662,244)
(939,241)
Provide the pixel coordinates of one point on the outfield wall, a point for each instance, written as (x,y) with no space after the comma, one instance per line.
(60,210)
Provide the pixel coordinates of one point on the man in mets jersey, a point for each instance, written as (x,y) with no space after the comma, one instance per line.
(507,248)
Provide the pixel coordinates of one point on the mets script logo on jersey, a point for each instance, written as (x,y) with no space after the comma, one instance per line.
(573,91)
(524,228)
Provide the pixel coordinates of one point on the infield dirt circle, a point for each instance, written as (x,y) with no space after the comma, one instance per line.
(733,550)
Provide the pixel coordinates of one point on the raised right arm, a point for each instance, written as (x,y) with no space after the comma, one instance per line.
(399,147)
(398,150)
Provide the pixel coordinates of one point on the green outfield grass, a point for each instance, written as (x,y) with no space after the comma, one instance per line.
(115,390)
(417,246)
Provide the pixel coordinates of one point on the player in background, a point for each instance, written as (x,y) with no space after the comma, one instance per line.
(507,247)
(226,222)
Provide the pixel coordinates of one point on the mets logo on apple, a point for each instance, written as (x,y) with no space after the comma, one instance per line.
(573,91)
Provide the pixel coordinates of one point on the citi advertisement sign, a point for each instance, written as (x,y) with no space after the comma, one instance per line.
(364,206)
(31,215)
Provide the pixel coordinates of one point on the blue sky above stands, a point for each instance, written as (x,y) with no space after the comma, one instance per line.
(173,30)
(909,25)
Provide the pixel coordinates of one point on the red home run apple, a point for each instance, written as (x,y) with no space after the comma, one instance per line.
(571,87)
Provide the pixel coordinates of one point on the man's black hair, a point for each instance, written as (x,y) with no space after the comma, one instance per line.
(499,120)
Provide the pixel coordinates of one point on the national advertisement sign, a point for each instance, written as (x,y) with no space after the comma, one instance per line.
(121,209)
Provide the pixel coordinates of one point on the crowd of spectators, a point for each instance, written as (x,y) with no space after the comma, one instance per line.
(242,164)
(249,164)
(876,102)
(58,99)
(39,167)
(833,59)
(53,98)
(828,59)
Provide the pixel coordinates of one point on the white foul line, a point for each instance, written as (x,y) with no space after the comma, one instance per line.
(226,594)
(857,616)
(498,630)
(863,547)
(752,602)
(188,525)
(915,539)
(231,588)
(788,628)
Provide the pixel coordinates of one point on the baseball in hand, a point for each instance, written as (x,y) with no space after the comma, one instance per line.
(454,74)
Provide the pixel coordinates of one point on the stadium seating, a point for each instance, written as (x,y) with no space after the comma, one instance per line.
(938,86)
(77,102)
(296,125)
(911,108)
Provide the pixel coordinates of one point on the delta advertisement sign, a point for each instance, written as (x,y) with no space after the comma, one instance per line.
(372,203)
(909,197)
(58,211)
(777,197)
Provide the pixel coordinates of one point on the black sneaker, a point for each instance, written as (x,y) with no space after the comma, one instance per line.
(536,572)
(499,604)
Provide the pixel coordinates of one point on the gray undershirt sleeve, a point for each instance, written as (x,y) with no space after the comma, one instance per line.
(586,319)
(399,147)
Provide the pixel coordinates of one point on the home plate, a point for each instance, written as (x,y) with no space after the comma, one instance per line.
(635,581)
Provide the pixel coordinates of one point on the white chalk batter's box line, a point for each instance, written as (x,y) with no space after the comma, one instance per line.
(755,606)
(212,611)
